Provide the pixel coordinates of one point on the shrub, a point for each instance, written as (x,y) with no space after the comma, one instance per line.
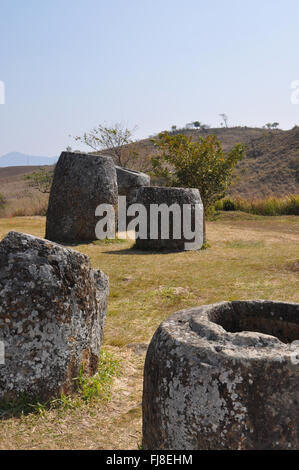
(41,180)
(270,206)
(228,205)
(201,164)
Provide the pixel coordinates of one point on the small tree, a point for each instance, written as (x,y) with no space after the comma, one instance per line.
(204,127)
(41,180)
(271,125)
(113,139)
(224,118)
(202,165)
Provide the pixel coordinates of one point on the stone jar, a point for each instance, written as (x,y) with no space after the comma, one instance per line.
(224,376)
(81,183)
(52,314)
(129,182)
(187,203)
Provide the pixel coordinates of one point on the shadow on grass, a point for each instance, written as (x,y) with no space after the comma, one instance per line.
(105,242)
(21,406)
(128,251)
(137,251)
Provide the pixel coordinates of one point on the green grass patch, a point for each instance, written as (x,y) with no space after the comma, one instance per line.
(100,384)
(87,389)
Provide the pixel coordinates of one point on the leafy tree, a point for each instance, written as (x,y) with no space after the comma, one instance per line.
(196,124)
(113,139)
(271,125)
(202,164)
(41,180)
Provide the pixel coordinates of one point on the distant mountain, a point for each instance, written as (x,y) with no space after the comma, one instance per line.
(20,159)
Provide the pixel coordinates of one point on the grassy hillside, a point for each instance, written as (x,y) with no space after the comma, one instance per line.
(271,167)
(21,199)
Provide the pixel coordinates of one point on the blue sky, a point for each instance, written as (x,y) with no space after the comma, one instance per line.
(68,65)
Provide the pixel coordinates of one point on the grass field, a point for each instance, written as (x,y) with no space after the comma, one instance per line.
(250,257)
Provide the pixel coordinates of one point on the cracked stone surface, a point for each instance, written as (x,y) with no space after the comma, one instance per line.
(81,182)
(129,182)
(52,313)
(223,376)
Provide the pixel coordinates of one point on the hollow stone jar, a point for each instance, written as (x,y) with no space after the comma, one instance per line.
(224,376)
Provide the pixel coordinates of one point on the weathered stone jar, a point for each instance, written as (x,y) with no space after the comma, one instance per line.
(224,376)
(129,182)
(52,313)
(185,216)
(81,183)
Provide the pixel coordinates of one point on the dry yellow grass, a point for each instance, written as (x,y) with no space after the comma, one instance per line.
(250,257)
(22,200)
